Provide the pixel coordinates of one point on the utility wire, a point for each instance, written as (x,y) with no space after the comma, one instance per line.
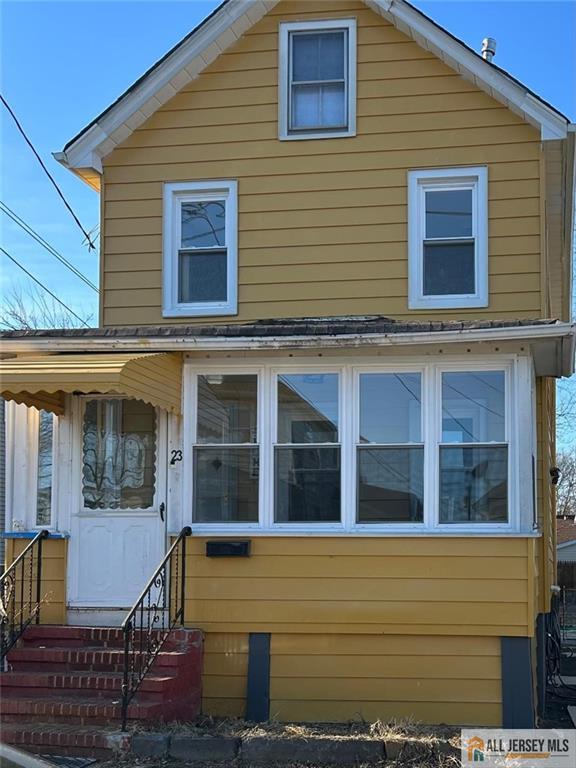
(30,275)
(39,239)
(91,245)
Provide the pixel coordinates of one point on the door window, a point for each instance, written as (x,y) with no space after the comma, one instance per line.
(119,450)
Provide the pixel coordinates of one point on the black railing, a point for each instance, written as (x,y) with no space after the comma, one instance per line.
(21,594)
(157,611)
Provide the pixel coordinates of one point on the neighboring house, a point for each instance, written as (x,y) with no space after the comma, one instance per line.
(335,272)
(566,539)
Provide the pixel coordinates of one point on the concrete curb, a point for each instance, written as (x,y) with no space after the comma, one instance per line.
(266,750)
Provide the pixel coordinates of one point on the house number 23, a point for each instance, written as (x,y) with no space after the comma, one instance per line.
(175,457)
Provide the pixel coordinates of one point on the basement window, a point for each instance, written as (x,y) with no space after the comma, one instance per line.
(448,238)
(200,249)
(317,88)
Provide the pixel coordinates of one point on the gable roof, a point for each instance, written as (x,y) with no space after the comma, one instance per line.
(187,60)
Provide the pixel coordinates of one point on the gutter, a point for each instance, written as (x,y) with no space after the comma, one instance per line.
(564,333)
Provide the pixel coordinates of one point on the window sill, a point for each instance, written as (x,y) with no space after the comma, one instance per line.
(32,534)
(317,135)
(206,310)
(448,302)
(339,532)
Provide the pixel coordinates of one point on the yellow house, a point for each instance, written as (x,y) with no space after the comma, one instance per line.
(335,295)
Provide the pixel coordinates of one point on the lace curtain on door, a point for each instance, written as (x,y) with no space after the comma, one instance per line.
(119,448)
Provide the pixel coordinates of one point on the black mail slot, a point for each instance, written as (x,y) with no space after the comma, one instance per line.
(238,548)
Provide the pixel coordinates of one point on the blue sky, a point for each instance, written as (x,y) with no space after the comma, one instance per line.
(63,62)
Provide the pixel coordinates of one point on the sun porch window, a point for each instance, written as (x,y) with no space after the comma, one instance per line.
(226,453)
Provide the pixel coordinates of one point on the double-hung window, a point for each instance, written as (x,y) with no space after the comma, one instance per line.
(200,249)
(448,238)
(317,79)
(307,452)
(226,452)
(390,451)
(473,450)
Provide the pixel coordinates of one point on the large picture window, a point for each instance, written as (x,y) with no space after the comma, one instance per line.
(429,447)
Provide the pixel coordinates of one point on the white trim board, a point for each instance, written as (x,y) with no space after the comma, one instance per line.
(84,154)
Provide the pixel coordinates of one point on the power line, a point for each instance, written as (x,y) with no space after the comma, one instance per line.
(31,276)
(91,245)
(39,239)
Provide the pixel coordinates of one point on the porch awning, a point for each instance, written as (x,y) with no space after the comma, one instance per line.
(42,382)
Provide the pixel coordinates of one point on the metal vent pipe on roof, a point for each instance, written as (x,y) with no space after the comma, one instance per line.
(488,48)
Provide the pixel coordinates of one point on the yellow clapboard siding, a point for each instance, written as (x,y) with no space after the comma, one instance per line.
(423,667)
(54,553)
(524,305)
(261,266)
(130,316)
(502,175)
(370,124)
(460,713)
(377,612)
(296,588)
(255,145)
(429,678)
(223,707)
(317,218)
(367,689)
(171,164)
(374,645)
(301,200)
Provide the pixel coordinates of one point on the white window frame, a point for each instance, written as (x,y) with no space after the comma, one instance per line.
(284,84)
(447,179)
(174,194)
(519,430)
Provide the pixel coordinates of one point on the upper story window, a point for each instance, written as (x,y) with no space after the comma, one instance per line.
(448,238)
(317,79)
(200,249)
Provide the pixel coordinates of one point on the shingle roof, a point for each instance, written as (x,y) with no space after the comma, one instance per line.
(317,326)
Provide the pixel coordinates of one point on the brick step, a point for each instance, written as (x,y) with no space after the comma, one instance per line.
(47,636)
(51,739)
(101,685)
(86,658)
(73,711)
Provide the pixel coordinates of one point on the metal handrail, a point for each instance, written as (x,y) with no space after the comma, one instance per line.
(17,612)
(152,617)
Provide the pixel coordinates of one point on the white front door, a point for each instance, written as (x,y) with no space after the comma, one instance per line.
(118,530)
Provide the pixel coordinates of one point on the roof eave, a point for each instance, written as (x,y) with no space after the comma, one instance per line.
(552,346)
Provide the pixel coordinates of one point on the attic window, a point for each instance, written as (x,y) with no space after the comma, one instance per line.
(200,259)
(317,79)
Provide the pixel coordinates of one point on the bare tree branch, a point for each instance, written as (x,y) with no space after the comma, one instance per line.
(30,308)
